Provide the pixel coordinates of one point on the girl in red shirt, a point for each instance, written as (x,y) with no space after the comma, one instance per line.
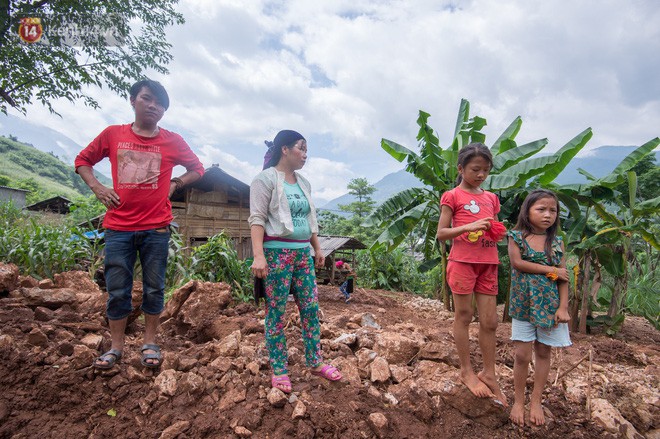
(466,213)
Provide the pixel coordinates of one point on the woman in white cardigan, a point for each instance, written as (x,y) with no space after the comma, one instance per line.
(283,224)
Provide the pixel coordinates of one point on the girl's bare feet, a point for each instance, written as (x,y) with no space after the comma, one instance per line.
(476,386)
(494,387)
(536,416)
(517,415)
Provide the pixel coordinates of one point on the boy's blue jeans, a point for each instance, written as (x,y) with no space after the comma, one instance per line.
(121,252)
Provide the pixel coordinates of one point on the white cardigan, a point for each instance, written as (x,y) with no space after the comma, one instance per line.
(269,206)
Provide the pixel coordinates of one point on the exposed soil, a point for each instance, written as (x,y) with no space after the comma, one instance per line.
(215,381)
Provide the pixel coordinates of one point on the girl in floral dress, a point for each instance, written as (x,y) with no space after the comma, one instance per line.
(539,298)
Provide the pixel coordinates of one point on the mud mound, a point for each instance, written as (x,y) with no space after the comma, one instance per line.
(394,350)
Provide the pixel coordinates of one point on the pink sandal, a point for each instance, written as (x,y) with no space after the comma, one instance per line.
(281,382)
(328,372)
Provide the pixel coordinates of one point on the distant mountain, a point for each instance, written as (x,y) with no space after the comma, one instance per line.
(41,137)
(385,188)
(598,162)
(19,161)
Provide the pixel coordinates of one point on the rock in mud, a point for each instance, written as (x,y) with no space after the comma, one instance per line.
(8,277)
(379,424)
(174,430)
(608,417)
(276,397)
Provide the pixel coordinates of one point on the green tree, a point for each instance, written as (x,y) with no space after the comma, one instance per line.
(362,190)
(58,67)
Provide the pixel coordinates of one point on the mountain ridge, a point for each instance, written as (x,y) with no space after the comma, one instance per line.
(598,161)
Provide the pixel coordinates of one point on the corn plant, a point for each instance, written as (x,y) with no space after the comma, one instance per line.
(217,261)
(41,250)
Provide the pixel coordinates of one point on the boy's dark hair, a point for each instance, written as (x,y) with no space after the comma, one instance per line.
(155,87)
(468,152)
(525,226)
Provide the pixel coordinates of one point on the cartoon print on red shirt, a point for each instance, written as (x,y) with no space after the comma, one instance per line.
(472,207)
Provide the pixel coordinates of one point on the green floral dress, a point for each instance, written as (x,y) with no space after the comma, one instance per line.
(534,297)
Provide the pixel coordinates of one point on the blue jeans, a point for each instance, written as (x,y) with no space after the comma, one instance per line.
(121,251)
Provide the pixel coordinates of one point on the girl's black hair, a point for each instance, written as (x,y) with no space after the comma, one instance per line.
(274,153)
(525,226)
(283,139)
(468,152)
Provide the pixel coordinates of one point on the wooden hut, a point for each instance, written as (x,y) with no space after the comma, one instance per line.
(215,203)
(57,204)
(335,248)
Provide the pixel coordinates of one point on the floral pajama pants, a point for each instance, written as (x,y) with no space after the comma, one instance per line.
(291,270)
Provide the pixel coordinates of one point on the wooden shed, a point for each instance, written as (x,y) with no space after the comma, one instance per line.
(335,248)
(215,203)
(57,204)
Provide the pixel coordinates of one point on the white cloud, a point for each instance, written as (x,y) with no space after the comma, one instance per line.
(348,73)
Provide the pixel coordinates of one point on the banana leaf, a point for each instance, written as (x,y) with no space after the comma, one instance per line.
(510,157)
(398,229)
(508,135)
(396,205)
(565,154)
(616,177)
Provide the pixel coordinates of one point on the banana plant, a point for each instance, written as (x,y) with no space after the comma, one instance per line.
(603,228)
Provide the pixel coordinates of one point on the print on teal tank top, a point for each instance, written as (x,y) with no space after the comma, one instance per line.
(299,206)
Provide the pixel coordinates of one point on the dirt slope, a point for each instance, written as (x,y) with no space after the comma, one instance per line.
(395,350)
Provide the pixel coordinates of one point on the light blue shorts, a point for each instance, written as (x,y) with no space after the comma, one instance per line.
(557,337)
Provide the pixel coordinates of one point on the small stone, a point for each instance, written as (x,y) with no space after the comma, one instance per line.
(43,314)
(166,382)
(378,423)
(299,410)
(82,357)
(46,284)
(242,431)
(390,399)
(253,367)
(369,321)
(276,397)
(175,430)
(37,338)
(92,341)
(347,339)
(380,370)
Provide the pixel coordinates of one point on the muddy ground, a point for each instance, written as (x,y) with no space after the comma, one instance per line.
(394,349)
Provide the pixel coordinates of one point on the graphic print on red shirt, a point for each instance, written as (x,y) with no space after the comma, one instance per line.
(141,173)
(473,247)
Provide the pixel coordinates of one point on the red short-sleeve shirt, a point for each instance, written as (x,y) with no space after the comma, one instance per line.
(141,174)
(466,207)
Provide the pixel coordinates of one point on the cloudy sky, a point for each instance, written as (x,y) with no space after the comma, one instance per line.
(348,73)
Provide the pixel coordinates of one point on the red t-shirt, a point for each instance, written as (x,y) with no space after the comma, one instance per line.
(467,208)
(141,174)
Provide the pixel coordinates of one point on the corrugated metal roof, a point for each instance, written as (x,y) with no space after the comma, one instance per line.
(14,189)
(330,244)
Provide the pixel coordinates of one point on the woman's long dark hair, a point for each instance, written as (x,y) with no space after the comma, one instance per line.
(468,152)
(525,226)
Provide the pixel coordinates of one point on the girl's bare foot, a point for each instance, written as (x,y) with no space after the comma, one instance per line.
(494,387)
(536,416)
(476,386)
(517,415)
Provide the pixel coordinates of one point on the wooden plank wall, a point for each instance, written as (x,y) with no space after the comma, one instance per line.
(206,214)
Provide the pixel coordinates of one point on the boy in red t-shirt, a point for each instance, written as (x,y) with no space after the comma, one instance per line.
(142,156)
